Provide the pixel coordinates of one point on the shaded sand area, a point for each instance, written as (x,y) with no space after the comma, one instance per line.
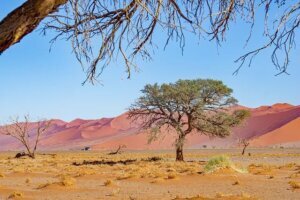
(272,174)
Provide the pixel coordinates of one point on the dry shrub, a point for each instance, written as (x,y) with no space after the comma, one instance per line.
(114,192)
(220,196)
(157,180)
(44,185)
(294,184)
(288,166)
(236,183)
(27,180)
(15,195)
(295,175)
(67,181)
(108,183)
(84,172)
(124,176)
(261,169)
(221,162)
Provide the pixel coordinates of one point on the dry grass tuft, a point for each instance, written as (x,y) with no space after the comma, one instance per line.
(124,176)
(157,180)
(261,169)
(67,181)
(220,196)
(27,180)
(44,185)
(288,166)
(294,184)
(108,183)
(172,176)
(236,183)
(114,192)
(15,195)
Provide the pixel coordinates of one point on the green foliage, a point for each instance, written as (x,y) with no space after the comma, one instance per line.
(200,105)
(221,162)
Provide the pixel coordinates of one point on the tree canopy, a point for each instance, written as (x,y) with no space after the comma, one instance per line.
(100,31)
(201,105)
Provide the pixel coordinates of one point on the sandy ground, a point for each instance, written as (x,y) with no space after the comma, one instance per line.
(272,174)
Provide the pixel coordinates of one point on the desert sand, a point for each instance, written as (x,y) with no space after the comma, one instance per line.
(270,174)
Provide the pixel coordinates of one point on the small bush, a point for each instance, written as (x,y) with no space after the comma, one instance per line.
(221,162)
(261,169)
(27,180)
(172,176)
(152,159)
(15,195)
(236,183)
(67,181)
(108,183)
(294,184)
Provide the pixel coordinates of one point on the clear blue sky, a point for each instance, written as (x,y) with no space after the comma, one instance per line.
(48,85)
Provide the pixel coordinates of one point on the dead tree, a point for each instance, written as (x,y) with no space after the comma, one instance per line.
(245,143)
(119,150)
(28,134)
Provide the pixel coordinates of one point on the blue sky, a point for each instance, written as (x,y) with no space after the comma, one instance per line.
(48,84)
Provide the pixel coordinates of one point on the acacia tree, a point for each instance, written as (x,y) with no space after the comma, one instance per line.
(187,106)
(101,30)
(24,131)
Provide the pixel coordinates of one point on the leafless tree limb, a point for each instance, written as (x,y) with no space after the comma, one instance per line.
(24,131)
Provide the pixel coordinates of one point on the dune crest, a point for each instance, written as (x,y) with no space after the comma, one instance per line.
(278,124)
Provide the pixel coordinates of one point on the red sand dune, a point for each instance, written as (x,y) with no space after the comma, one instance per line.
(286,134)
(268,125)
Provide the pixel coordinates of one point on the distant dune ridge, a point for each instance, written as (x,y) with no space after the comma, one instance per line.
(276,125)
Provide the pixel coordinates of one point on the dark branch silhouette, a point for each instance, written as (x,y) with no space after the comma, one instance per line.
(27,134)
(102,31)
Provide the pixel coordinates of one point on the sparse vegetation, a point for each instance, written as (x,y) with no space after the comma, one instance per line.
(47,173)
(294,184)
(15,195)
(67,181)
(27,180)
(172,176)
(221,162)
(220,196)
(261,169)
(236,183)
(108,182)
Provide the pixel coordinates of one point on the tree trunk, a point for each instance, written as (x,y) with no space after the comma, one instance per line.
(244,149)
(24,19)
(31,155)
(179,154)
